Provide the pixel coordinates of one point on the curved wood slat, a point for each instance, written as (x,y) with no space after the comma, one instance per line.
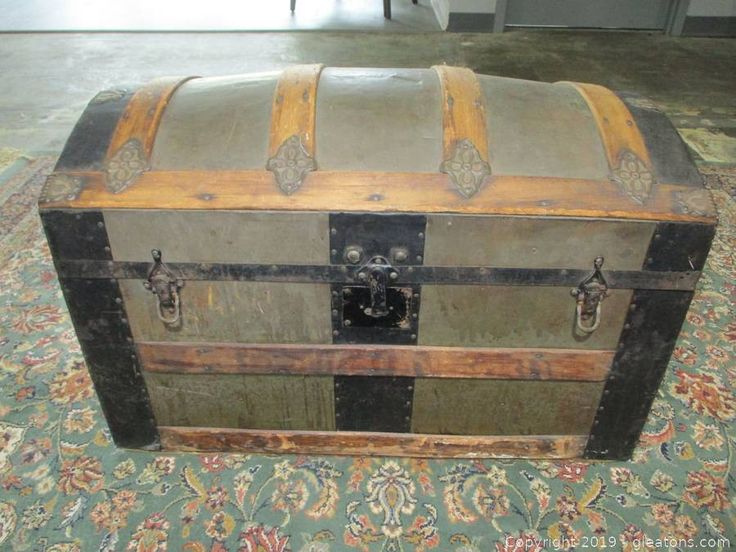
(352,443)
(294,107)
(616,125)
(463,110)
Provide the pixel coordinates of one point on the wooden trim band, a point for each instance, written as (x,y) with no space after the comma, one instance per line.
(381,193)
(294,107)
(129,152)
(464,134)
(375,360)
(616,124)
(463,110)
(351,443)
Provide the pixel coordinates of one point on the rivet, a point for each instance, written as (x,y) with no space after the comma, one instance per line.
(361,276)
(595,422)
(410,269)
(416,296)
(333,252)
(337,384)
(414,315)
(334,312)
(129,339)
(400,255)
(124,320)
(657,236)
(632,307)
(393,275)
(107,248)
(650,260)
(347,322)
(334,293)
(601,408)
(100,224)
(337,414)
(629,122)
(335,333)
(419,258)
(333,231)
(606,392)
(413,336)
(353,255)
(410,387)
(421,234)
(407,418)
(337,399)
(627,326)
(78,217)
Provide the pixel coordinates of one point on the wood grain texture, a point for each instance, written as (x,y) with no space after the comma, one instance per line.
(616,124)
(347,443)
(380,193)
(294,107)
(375,360)
(143,114)
(463,110)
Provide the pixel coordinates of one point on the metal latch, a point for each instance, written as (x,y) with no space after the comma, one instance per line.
(165,286)
(377,273)
(589,295)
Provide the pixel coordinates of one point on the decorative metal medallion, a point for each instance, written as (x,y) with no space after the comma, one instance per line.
(128,163)
(61,187)
(108,96)
(466,168)
(696,202)
(633,176)
(291,164)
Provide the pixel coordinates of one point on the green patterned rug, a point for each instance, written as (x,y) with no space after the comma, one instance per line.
(65,487)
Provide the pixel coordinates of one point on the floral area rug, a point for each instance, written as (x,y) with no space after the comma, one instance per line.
(65,487)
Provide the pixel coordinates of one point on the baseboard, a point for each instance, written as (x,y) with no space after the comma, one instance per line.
(708,26)
(470,22)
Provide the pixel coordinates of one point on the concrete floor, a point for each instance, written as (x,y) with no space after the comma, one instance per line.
(215,15)
(48,78)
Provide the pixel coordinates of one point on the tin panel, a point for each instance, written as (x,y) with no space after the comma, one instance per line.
(499,407)
(254,402)
(508,316)
(219,236)
(525,242)
(217,123)
(379,119)
(540,129)
(245,312)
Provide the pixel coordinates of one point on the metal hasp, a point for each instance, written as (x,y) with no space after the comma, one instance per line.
(377,272)
(165,286)
(588,298)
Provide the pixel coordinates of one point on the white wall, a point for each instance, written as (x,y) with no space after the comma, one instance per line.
(712,8)
(442,8)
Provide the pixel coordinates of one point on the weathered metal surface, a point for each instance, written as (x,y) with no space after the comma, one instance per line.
(373,403)
(253,402)
(76,235)
(560,137)
(222,236)
(379,119)
(217,124)
(100,321)
(497,407)
(670,158)
(647,341)
(87,145)
(349,274)
(245,312)
(525,242)
(59,187)
(679,247)
(501,316)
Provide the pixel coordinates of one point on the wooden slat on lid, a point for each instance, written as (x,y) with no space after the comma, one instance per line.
(465,138)
(129,152)
(628,157)
(291,142)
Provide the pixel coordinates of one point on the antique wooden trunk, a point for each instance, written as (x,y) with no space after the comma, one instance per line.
(376,261)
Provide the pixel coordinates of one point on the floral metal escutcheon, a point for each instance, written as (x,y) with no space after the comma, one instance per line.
(291,164)
(466,168)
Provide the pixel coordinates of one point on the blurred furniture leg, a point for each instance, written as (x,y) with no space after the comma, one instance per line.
(387,9)
(293,5)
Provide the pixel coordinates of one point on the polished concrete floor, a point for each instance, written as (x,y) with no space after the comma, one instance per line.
(48,78)
(214,15)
